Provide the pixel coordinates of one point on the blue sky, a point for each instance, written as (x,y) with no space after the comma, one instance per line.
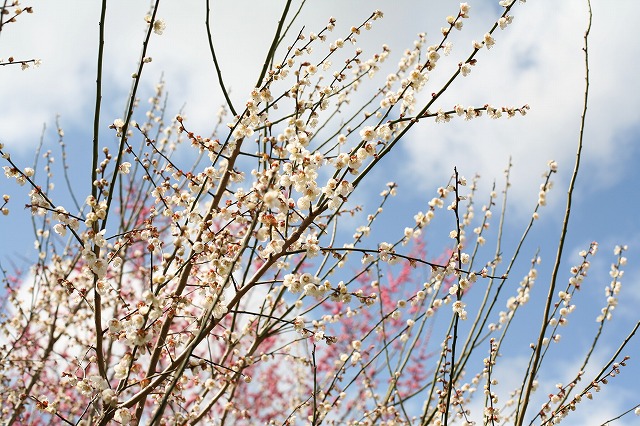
(536,61)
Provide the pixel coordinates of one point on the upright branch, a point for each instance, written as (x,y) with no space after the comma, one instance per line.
(537,350)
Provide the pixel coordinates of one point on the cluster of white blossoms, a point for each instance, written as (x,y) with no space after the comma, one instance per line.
(471,112)
(509,3)
(612,291)
(458,308)
(545,187)
(564,307)
(136,330)
(202,271)
(14,173)
(96,264)
(522,297)
(306,283)
(3,208)
(65,221)
(311,245)
(456,21)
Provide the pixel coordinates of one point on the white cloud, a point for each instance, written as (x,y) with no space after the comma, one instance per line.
(538,60)
(66,40)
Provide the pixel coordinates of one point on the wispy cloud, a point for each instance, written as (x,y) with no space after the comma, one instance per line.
(539,60)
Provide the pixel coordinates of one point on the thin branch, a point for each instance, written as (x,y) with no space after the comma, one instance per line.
(534,367)
(215,62)
(274,44)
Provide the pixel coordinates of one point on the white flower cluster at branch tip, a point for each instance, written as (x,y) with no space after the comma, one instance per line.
(458,308)
(612,291)
(24,65)
(507,3)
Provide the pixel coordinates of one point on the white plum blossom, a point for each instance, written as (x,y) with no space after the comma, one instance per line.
(125,168)
(465,69)
(458,308)
(123,416)
(489,41)
(504,21)
(159,26)
(368,133)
